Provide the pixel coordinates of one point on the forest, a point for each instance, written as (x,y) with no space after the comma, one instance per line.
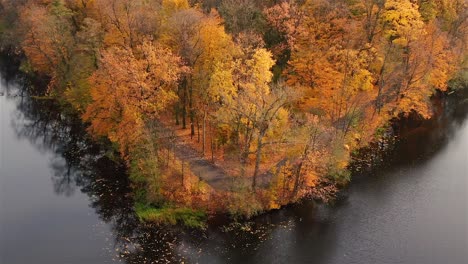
(238,106)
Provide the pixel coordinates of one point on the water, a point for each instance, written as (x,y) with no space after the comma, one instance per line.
(46,215)
(63,201)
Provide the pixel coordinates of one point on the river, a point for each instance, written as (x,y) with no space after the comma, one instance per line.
(63,201)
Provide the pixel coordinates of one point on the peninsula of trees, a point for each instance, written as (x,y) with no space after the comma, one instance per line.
(238,106)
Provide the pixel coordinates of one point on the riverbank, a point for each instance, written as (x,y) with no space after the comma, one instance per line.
(417,194)
(196,217)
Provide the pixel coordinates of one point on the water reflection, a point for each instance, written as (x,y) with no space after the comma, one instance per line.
(78,163)
(418,140)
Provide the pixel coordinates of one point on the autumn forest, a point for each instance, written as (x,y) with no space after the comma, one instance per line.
(238,106)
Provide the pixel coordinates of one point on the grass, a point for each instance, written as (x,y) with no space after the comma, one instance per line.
(170,215)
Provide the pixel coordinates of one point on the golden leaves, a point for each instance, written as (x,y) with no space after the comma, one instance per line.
(402,21)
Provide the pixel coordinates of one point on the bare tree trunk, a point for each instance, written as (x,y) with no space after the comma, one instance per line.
(184,104)
(198,129)
(212,144)
(297,179)
(176,114)
(192,112)
(243,161)
(204,132)
(283,194)
(381,80)
(310,146)
(258,158)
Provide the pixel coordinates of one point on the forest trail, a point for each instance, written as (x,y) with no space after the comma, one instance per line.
(202,167)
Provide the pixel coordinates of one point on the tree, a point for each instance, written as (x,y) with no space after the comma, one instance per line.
(212,72)
(402,22)
(333,74)
(129,22)
(420,52)
(48,41)
(182,35)
(429,66)
(284,19)
(255,109)
(83,63)
(129,89)
(242,15)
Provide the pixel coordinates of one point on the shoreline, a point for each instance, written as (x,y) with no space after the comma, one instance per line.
(202,218)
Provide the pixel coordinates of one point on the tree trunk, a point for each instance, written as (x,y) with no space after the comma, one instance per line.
(310,146)
(243,162)
(204,132)
(381,81)
(192,112)
(184,104)
(258,158)
(298,178)
(212,145)
(198,129)
(176,114)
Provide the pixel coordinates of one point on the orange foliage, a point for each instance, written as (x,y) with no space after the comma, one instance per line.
(131,87)
(287,99)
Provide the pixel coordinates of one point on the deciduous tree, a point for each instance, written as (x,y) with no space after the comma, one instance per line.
(129,89)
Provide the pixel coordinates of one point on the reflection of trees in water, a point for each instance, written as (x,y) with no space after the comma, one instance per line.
(417,140)
(78,163)
(49,131)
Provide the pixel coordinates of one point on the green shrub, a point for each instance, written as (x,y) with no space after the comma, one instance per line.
(170,215)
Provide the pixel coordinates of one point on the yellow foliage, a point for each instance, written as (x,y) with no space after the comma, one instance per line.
(402,21)
(172,6)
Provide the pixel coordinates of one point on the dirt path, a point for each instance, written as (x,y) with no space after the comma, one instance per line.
(209,172)
(212,174)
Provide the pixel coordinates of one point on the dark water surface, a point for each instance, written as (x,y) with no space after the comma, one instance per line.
(63,201)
